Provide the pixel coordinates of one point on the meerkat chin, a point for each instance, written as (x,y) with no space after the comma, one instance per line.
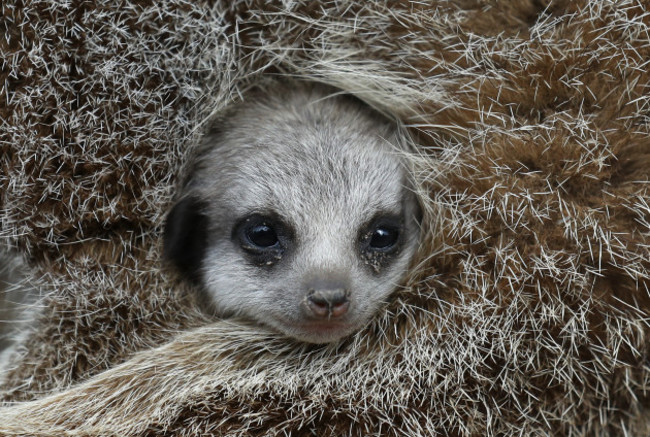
(297,212)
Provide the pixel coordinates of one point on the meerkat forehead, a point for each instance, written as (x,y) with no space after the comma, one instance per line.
(311,155)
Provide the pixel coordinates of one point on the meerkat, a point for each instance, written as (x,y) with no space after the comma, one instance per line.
(297,212)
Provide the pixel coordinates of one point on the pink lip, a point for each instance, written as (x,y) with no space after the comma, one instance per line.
(317,331)
(323,327)
(324,331)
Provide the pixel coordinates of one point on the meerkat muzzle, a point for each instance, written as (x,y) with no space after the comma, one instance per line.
(328,303)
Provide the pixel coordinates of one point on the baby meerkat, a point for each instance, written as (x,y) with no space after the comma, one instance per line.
(297,212)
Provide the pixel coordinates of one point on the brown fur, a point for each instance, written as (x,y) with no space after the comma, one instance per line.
(526,312)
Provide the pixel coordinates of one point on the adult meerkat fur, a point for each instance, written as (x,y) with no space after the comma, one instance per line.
(18,306)
(297,212)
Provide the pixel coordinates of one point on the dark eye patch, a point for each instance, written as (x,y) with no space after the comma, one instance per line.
(185,236)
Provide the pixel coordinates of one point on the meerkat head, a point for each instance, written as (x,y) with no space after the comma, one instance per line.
(297,213)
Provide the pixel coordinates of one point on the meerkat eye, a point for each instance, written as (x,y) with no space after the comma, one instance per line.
(382,234)
(262,235)
(380,240)
(383,238)
(263,238)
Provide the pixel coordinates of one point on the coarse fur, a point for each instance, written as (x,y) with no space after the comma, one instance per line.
(525,312)
(321,173)
(18,306)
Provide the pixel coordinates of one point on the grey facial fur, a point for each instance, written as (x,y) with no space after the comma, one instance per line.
(297,212)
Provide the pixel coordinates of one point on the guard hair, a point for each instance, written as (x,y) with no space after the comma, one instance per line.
(526,310)
(18,306)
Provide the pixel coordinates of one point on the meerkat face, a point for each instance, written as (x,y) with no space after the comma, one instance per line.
(297,214)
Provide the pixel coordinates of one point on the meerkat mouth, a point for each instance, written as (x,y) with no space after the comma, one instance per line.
(324,326)
(319,331)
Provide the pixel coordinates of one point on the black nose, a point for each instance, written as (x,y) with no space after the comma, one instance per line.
(328,303)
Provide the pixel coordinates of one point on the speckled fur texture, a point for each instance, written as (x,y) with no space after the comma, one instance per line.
(526,313)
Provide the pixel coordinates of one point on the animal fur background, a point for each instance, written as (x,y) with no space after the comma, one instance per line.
(527,312)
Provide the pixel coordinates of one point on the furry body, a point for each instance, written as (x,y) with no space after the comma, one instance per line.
(526,313)
(8,298)
(18,308)
(322,176)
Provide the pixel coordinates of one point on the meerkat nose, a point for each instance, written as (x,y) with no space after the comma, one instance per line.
(328,303)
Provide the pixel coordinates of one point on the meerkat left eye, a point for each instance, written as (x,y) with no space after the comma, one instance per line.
(381,235)
(379,241)
(383,238)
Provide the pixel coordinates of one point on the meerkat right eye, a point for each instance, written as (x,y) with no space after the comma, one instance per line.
(264,239)
(262,235)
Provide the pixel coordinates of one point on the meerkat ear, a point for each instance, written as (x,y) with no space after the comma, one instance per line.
(184,238)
